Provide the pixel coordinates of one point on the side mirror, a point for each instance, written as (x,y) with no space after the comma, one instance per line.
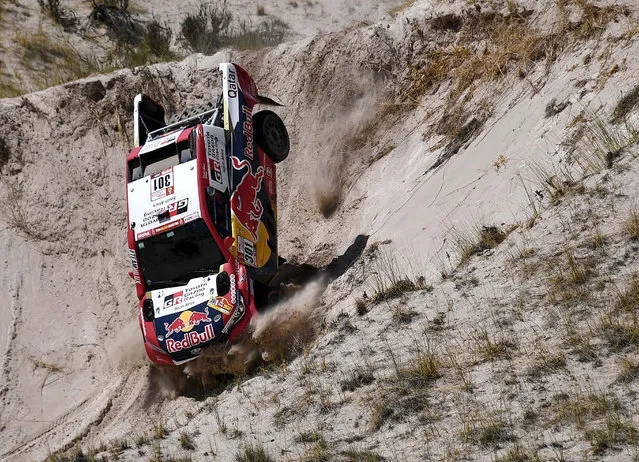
(131,274)
(222,284)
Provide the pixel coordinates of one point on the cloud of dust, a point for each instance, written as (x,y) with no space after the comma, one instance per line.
(276,334)
(290,324)
(127,349)
(342,133)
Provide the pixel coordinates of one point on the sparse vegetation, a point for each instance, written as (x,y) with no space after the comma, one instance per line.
(213,27)
(486,430)
(625,105)
(631,225)
(253,453)
(186,442)
(356,379)
(159,430)
(490,347)
(476,240)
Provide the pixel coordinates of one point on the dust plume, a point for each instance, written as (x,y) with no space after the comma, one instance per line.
(126,350)
(276,334)
(290,324)
(343,134)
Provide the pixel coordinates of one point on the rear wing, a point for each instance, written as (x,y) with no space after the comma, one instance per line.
(148,116)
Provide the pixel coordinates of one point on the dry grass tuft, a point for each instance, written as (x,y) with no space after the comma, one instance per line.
(356,379)
(423,369)
(476,241)
(486,430)
(490,348)
(631,225)
(253,453)
(186,442)
(615,431)
(625,105)
(545,363)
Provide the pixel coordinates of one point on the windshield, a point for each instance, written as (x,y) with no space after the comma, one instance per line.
(178,255)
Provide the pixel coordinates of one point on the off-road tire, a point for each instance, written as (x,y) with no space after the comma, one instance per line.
(271,135)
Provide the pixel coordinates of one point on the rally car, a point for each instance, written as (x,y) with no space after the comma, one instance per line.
(202,217)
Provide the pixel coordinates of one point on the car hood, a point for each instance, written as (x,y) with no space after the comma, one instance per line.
(190,316)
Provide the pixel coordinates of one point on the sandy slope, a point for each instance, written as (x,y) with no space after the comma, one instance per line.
(79,373)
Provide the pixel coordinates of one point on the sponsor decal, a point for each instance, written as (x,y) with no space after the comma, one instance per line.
(186,321)
(182,298)
(190,339)
(215,160)
(162,184)
(134,264)
(176,208)
(161,229)
(247,129)
(173,209)
(237,315)
(247,250)
(173,299)
(217,318)
(220,304)
(244,202)
(232,83)
(159,142)
(216,157)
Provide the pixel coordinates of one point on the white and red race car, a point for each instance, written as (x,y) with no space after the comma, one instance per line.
(202,217)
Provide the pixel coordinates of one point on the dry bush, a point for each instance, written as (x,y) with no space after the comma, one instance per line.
(476,240)
(509,43)
(213,27)
(593,18)
(60,15)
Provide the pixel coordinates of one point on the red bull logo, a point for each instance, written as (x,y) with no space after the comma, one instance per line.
(186,321)
(190,340)
(244,202)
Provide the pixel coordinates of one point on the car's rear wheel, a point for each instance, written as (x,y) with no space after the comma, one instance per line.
(271,135)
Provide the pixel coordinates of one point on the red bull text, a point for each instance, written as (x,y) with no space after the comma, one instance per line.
(190,340)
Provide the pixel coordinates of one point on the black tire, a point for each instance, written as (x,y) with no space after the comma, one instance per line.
(271,135)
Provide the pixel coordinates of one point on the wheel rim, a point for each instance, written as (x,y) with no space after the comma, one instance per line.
(274,135)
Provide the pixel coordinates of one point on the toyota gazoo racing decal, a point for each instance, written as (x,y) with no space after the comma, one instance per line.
(216,157)
(164,200)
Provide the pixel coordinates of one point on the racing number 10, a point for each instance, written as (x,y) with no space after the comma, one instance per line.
(163,181)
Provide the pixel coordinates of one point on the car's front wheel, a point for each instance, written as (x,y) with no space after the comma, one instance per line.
(271,135)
